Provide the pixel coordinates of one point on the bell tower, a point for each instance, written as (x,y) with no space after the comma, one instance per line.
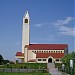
(25,30)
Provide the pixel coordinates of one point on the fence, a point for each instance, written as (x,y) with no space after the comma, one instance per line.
(21,70)
(68,70)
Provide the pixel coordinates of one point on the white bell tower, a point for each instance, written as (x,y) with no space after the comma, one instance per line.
(25,30)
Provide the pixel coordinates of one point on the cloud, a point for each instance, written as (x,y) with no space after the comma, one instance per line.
(62,28)
(67,30)
(63,22)
(41,24)
(38,25)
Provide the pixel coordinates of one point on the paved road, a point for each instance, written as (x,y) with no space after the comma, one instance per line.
(53,70)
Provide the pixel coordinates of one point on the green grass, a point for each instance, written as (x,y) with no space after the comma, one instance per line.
(11,73)
(26,65)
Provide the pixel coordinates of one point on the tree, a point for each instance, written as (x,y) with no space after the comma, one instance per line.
(1,59)
(6,61)
(66,59)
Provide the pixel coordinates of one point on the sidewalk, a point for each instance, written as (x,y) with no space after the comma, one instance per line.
(54,71)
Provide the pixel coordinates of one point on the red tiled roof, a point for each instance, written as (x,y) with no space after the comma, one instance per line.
(33,60)
(46,55)
(19,54)
(47,46)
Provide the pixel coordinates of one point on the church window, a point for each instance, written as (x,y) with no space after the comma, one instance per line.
(37,51)
(57,59)
(49,51)
(61,51)
(26,20)
(54,51)
(44,59)
(42,51)
(39,59)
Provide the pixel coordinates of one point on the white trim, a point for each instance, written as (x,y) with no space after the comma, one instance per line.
(19,57)
(53,59)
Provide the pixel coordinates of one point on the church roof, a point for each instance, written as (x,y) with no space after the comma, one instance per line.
(19,54)
(46,46)
(33,60)
(46,55)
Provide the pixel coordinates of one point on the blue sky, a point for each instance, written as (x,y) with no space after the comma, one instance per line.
(51,21)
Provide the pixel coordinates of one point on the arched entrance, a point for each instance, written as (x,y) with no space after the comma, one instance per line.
(50,60)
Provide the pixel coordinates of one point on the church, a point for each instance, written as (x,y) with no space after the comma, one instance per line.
(39,53)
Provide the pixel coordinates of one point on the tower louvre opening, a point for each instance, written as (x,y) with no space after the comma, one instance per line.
(26,20)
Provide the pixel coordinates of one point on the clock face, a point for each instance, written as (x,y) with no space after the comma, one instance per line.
(26,21)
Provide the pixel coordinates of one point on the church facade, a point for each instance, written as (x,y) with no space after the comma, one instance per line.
(39,53)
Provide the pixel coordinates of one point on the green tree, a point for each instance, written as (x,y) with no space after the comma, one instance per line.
(66,59)
(1,59)
(6,61)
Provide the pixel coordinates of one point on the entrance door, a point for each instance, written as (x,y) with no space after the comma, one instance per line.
(50,60)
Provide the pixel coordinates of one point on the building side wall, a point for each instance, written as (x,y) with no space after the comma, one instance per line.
(58,61)
(41,60)
(25,36)
(31,55)
(53,60)
(34,55)
(25,54)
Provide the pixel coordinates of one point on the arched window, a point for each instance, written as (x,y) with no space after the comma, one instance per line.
(50,60)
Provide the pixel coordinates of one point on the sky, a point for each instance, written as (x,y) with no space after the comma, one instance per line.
(51,22)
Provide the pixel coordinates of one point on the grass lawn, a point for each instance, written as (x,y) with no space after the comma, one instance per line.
(11,73)
(26,65)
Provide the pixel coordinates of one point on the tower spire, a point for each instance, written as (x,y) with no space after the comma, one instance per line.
(25,30)
(26,18)
(26,14)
